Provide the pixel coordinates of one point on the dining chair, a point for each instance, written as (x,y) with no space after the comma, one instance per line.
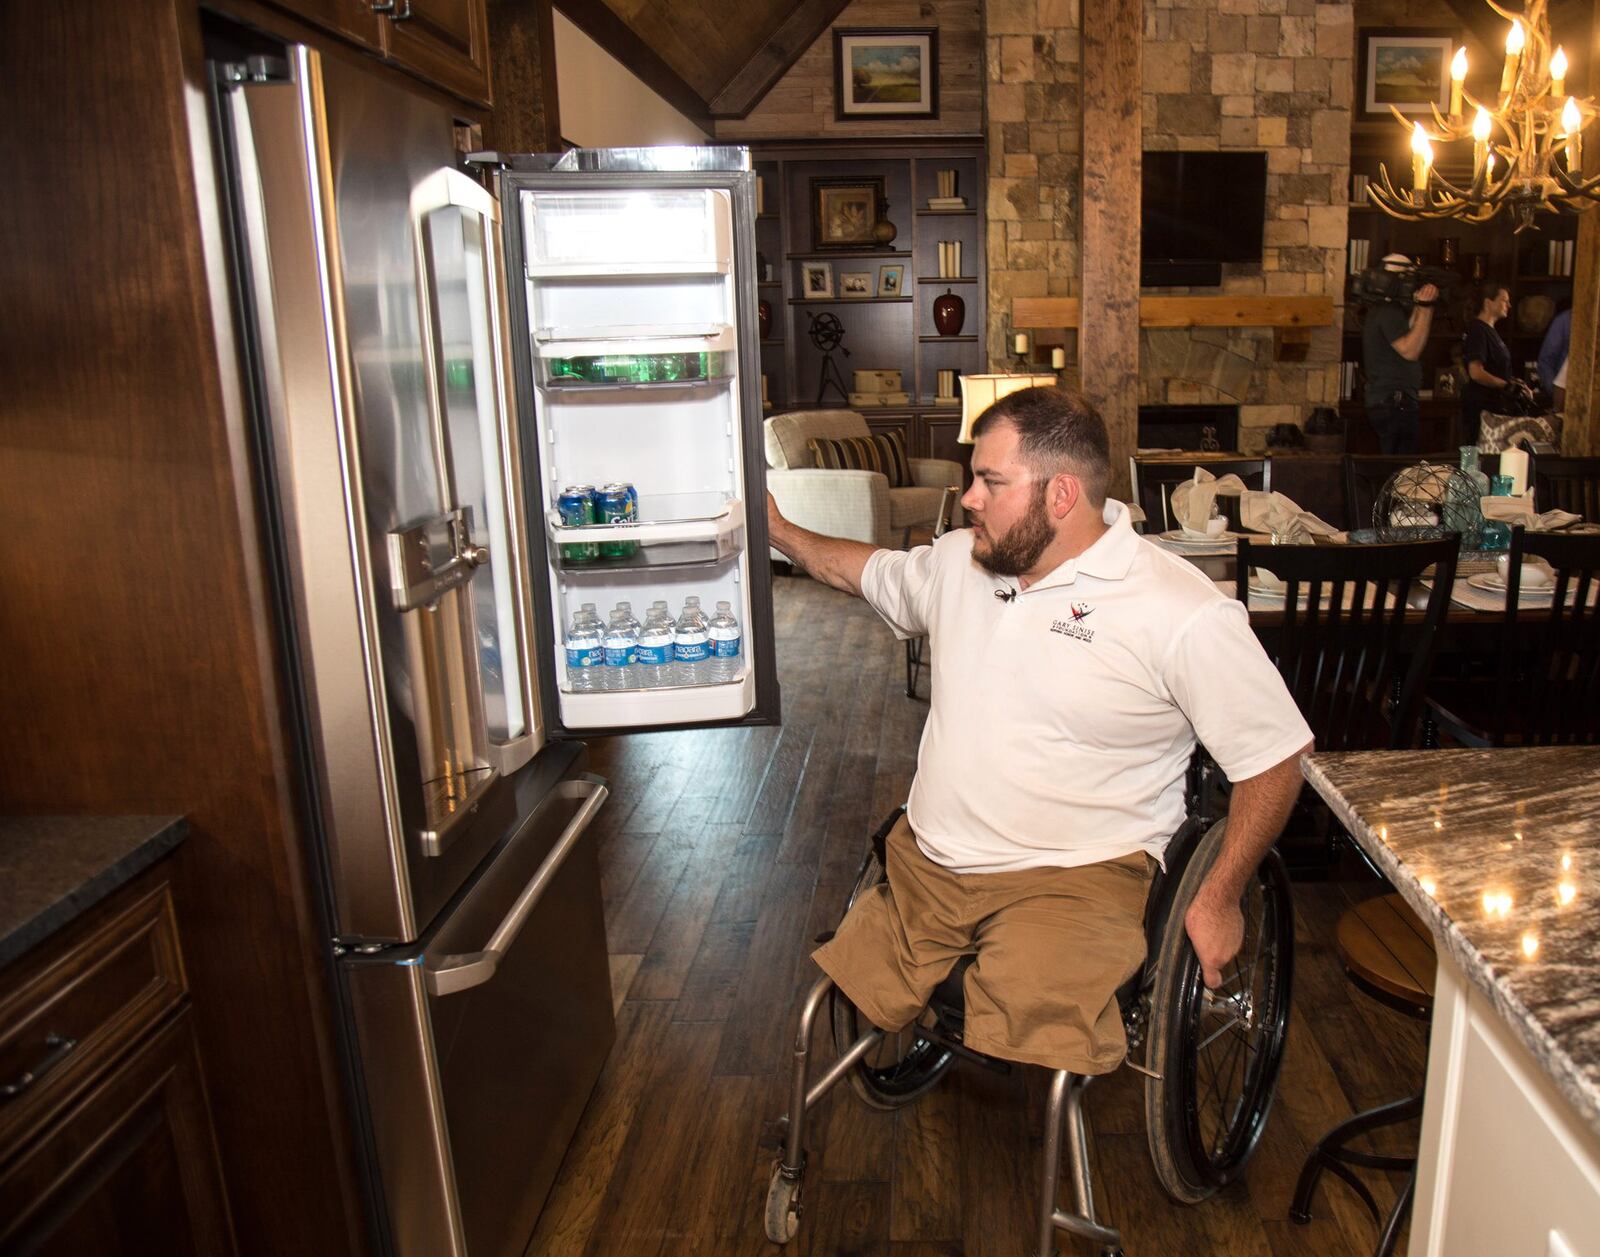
(1366,474)
(1155,479)
(1567,484)
(1353,663)
(1546,685)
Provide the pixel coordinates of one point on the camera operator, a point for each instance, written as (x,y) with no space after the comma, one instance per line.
(1490,382)
(1392,342)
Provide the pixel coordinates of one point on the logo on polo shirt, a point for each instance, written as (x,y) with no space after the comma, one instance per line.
(1075,627)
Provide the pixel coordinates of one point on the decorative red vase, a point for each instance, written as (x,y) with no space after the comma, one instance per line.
(764,318)
(949,313)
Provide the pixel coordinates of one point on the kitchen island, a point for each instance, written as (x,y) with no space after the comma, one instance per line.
(1498,852)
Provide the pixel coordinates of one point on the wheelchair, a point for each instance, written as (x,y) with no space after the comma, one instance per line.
(1210,1058)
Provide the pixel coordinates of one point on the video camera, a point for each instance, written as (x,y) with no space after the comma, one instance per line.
(1380,285)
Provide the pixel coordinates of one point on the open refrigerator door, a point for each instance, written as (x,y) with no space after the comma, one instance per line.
(635,349)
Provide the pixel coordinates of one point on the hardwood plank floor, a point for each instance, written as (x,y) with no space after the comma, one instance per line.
(723,853)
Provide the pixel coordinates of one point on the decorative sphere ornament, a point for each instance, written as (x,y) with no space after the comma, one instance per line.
(1428,501)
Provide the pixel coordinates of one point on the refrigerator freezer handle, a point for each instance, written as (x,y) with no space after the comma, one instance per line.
(462,971)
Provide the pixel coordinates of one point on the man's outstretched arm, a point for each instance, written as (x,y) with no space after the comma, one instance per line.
(831,560)
(1257,811)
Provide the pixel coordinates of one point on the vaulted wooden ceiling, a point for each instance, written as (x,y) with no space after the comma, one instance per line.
(708,58)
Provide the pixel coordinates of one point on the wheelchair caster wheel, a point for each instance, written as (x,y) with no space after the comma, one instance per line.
(783,1207)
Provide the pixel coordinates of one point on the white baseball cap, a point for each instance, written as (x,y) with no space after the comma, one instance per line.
(1396,261)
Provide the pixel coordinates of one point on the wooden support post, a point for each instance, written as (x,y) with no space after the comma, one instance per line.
(1582,432)
(1108,340)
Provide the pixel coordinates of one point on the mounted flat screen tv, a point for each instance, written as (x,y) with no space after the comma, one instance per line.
(1200,210)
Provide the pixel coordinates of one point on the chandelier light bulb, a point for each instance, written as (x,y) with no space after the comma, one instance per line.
(1572,124)
(1458,75)
(1558,72)
(1480,144)
(1514,41)
(1481,126)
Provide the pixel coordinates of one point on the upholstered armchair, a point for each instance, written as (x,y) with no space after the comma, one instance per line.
(855,504)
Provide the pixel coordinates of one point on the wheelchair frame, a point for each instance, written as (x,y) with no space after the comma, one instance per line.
(1064,1111)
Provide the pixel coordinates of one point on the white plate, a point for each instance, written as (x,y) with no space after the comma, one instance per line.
(1490,582)
(1178,537)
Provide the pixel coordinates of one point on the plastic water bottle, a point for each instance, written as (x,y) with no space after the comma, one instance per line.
(690,647)
(655,647)
(622,651)
(723,632)
(585,651)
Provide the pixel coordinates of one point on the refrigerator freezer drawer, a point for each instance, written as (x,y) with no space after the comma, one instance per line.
(474,1093)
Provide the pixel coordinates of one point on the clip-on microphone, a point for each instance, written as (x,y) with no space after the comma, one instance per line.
(1005,595)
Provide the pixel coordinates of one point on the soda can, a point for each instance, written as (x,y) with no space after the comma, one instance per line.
(577,507)
(617,505)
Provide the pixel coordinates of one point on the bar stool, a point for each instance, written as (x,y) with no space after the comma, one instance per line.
(1388,954)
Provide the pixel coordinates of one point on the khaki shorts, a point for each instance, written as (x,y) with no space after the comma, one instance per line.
(1052,947)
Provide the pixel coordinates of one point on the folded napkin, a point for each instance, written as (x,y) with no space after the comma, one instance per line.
(1193,499)
(1282,517)
(1519,510)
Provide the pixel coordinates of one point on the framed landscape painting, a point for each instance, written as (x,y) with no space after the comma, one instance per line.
(843,212)
(885,73)
(1408,69)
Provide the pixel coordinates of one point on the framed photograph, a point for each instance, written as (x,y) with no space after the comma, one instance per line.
(891,277)
(1407,68)
(843,212)
(855,284)
(816,280)
(881,72)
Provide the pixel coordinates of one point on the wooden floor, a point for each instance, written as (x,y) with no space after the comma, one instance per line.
(723,853)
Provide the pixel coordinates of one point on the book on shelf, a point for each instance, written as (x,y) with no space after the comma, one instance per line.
(1561,254)
(946,180)
(1360,252)
(947,202)
(946,387)
(949,259)
(761,195)
(1358,189)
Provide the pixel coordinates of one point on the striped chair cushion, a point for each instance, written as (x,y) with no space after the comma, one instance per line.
(883,452)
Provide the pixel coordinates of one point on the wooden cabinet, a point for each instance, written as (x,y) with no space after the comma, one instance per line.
(445,42)
(106,1144)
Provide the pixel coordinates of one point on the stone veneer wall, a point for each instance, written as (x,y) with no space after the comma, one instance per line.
(1218,74)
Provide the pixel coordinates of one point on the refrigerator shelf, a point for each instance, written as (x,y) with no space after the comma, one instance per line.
(603,232)
(664,518)
(701,688)
(669,705)
(633,339)
(671,556)
(625,270)
(562,384)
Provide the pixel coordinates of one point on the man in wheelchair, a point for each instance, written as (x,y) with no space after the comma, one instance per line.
(1074,667)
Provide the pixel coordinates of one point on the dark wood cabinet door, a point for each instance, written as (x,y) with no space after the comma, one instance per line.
(353,19)
(939,433)
(131,1170)
(444,41)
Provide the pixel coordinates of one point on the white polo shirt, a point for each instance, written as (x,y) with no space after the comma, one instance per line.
(1063,718)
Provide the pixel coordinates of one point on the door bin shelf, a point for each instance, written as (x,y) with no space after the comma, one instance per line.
(683,704)
(671,533)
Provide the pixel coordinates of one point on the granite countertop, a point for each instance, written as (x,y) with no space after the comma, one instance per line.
(1499,852)
(54,867)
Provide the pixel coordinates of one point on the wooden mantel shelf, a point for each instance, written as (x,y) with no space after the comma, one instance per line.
(1242,311)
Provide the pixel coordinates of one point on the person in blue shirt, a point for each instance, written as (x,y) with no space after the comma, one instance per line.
(1553,352)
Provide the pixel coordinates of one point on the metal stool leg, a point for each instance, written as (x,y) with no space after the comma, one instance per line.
(1332,1154)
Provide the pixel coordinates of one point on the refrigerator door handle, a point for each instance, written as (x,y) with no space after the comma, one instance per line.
(465,970)
(448,188)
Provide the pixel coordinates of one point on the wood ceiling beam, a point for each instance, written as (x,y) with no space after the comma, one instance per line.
(806,23)
(596,20)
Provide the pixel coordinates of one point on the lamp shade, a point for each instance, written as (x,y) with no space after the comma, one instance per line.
(979,392)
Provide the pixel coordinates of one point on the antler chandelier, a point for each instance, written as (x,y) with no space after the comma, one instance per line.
(1527,152)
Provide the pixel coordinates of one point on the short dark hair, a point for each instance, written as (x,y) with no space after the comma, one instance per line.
(1486,290)
(1057,428)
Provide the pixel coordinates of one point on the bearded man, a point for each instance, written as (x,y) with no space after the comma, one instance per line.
(1074,667)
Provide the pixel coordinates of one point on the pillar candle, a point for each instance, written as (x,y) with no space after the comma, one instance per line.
(1514,463)
(1020,343)
(1058,358)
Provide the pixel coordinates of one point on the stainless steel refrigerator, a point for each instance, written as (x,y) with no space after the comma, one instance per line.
(398,339)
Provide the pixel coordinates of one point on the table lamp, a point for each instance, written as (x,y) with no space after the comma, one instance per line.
(979,392)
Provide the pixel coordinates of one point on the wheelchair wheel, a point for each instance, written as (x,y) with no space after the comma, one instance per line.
(902,1065)
(1217,1053)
